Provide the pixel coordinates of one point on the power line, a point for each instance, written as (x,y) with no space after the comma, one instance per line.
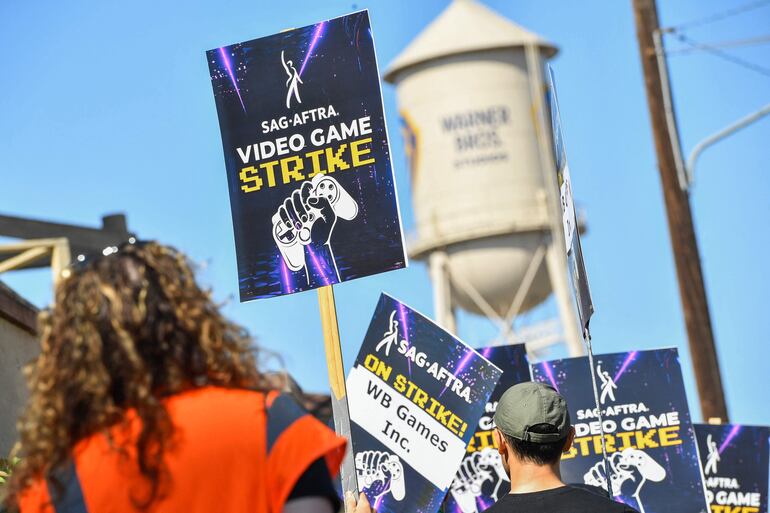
(723,55)
(723,44)
(718,16)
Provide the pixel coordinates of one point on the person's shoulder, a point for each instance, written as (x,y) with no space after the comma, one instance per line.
(220,396)
(597,500)
(217,406)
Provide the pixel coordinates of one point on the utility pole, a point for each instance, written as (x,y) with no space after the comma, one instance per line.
(684,244)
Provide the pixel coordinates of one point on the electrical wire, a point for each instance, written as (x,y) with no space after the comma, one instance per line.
(723,44)
(722,54)
(718,16)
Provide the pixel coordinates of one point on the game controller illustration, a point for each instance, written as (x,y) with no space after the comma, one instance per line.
(628,465)
(381,473)
(308,217)
(475,470)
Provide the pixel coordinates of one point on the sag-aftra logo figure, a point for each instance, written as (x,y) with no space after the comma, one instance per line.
(292,83)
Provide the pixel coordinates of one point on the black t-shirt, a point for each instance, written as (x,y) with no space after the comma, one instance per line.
(567,499)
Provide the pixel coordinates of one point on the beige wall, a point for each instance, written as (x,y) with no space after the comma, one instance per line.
(17,347)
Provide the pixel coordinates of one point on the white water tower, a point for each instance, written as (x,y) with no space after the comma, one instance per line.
(471,97)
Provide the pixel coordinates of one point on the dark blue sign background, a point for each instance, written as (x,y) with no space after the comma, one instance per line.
(277,91)
(735,462)
(481,480)
(651,443)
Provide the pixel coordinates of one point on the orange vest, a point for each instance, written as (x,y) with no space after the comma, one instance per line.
(232,451)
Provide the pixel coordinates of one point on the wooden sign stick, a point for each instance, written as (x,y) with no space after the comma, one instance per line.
(337,382)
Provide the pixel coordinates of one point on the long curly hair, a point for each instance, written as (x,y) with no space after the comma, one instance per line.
(125,331)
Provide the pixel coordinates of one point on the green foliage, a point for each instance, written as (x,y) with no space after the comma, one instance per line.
(6,467)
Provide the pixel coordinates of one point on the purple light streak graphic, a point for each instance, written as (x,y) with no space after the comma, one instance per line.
(316,36)
(465,361)
(733,432)
(405,331)
(549,375)
(226,61)
(460,366)
(629,359)
(286,280)
(318,266)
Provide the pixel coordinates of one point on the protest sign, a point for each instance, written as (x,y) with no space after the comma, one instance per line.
(652,452)
(311,185)
(481,479)
(735,462)
(574,250)
(416,394)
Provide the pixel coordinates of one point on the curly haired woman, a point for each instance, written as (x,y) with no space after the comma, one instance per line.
(144,398)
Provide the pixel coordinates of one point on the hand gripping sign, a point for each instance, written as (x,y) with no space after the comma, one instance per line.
(652,463)
(311,184)
(416,394)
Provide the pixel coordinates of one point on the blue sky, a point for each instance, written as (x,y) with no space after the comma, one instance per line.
(107,106)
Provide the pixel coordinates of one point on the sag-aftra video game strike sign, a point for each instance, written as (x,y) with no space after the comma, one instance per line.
(651,448)
(306,151)
(416,394)
(735,462)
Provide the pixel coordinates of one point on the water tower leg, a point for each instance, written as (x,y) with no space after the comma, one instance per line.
(442,296)
(556,261)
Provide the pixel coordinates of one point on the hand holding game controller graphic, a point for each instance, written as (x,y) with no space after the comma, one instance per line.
(475,470)
(629,465)
(308,217)
(380,473)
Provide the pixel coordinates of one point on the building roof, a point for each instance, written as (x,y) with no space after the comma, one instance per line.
(465,26)
(17,310)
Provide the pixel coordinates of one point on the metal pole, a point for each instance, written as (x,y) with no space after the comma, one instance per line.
(607,467)
(692,289)
(727,131)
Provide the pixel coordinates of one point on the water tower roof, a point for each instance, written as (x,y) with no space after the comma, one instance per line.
(465,26)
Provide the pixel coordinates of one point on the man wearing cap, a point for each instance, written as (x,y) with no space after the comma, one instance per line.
(532,431)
